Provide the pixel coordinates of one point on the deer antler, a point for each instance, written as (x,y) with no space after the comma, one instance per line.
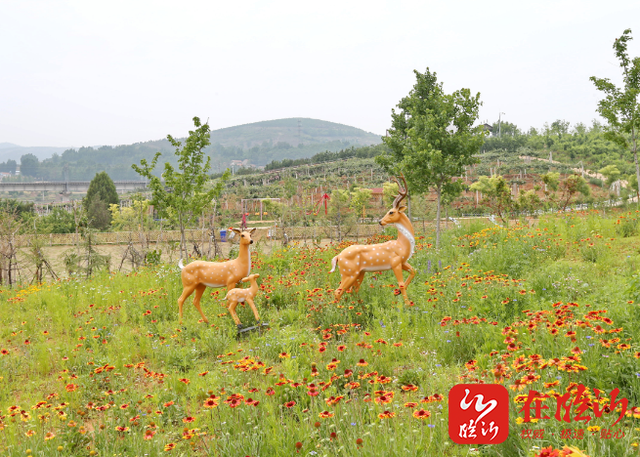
(402,194)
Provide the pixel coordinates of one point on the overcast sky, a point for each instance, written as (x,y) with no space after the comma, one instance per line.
(76,73)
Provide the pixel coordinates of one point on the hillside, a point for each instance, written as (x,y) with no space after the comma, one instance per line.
(293,131)
(10,151)
(258,143)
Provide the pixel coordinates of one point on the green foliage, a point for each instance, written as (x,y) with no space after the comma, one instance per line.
(58,221)
(21,209)
(433,138)
(29,165)
(361,152)
(183,194)
(496,194)
(552,180)
(131,217)
(360,198)
(389,192)
(10,166)
(620,106)
(500,309)
(101,194)
(610,172)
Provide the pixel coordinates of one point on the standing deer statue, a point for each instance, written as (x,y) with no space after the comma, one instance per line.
(356,260)
(235,296)
(199,275)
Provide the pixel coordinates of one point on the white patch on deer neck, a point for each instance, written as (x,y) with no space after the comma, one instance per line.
(249,270)
(407,234)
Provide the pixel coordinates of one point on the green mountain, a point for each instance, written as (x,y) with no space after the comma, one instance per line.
(294,131)
(258,144)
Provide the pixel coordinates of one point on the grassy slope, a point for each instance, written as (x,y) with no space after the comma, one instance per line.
(115,341)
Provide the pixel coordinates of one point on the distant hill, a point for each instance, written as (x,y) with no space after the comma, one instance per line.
(258,143)
(293,131)
(14,152)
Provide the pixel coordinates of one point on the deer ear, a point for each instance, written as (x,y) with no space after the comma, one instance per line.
(402,208)
(236,230)
(252,231)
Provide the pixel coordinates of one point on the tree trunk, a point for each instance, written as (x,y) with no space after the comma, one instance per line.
(439,194)
(635,159)
(183,241)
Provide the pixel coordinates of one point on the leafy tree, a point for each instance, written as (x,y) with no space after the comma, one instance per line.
(561,193)
(632,181)
(58,221)
(432,138)
(21,209)
(29,165)
(496,194)
(132,217)
(620,106)
(10,166)
(360,199)
(340,212)
(610,172)
(101,194)
(389,192)
(183,194)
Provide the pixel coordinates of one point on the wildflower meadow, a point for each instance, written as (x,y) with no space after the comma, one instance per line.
(102,366)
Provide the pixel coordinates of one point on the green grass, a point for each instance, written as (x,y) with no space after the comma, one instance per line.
(109,352)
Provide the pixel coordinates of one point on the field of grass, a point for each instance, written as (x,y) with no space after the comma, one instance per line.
(102,367)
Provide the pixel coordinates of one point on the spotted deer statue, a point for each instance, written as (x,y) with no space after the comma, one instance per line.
(356,260)
(235,296)
(199,275)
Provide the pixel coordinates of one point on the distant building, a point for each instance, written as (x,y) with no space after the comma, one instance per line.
(4,174)
(377,194)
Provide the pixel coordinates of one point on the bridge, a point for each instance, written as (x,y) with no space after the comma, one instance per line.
(67,186)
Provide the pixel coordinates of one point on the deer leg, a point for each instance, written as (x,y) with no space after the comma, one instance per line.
(359,279)
(200,288)
(412,273)
(188,290)
(397,269)
(232,311)
(344,285)
(253,308)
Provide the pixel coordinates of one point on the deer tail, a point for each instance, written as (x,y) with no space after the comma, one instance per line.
(181,265)
(334,262)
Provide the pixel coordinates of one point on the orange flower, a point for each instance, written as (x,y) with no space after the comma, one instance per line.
(290,404)
(410,404)
(421,414)
(71,387)
(284,355)
(325,414)
(386,415)
(409,388)
(362,363)
(188,419)
(210,403)
(167,404)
